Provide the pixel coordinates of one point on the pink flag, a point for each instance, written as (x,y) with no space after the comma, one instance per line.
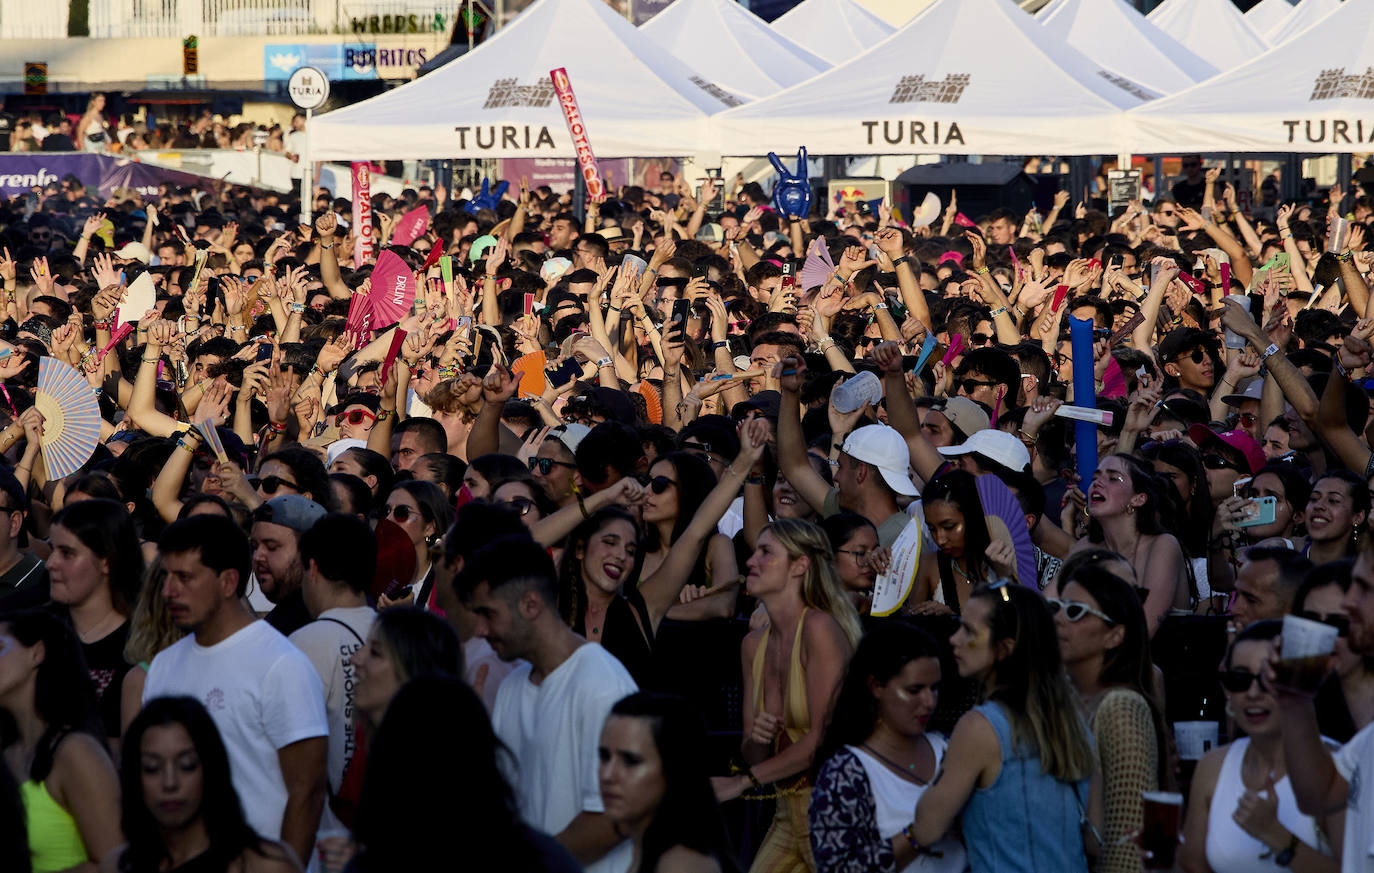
(411,226)
(393,290)
(1113,382)
(963,220)
(362,214)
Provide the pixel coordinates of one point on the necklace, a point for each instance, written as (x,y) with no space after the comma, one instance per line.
(907,770)
(961,571)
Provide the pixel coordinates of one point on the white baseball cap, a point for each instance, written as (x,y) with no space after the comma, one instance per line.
(995,445)
(884,448)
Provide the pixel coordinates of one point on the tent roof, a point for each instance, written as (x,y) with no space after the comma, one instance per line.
(1212,29)
(1310,94)
(835,30)
(1303,16)
(1136,48)
(963,77)
(1265,15)
(747,56)
(895,12)
(497,101)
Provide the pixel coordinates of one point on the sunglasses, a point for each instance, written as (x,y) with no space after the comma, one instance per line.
(1248,419)
(979,339)
(1168,212)
(1213,461)
(659,484)
(971,385)
(271,484)
(545,465)
(521,505)
(1074,610)
(400,512)
(1335,619)
(353,416)
(1239,681)
(1197,355)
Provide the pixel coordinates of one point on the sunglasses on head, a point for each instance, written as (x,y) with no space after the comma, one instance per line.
(1337,620)
(400,512)
(353,416)
(545,465)
(1213,461)
(1074,610)
(1239,681)
(659,484)
(271,484)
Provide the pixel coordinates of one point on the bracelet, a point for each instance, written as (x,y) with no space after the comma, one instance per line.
(296,308)
(753,479)
(722,344)
(181,444)
(998,311)
(330,246)
(613,308)
(910,833)
(879,306)
(982,271)
(107,324)
(384,414)
(1028,439)
(820,346)
(904,259)
(233,327)
(274,427)
(151,360)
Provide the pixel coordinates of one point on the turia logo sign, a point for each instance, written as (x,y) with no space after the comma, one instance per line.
(506,93)
(1334,84)
(916,89)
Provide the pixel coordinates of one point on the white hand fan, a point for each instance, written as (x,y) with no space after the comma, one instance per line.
(137,300)
(71,417)
(928,211)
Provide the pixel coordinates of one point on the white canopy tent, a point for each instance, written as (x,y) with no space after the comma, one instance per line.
(835,30)
(895,12)
(498,102)
(1211,29)
(736,47)
(1115,35)
(963,77)
(1310,94)
(1303,16)
(1265,15)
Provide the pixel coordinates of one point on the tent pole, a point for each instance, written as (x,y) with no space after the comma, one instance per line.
(1344,171)
(579,201)
(1159,176)
(469,4)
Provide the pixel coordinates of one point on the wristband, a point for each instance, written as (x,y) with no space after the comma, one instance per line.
(384,414)
(723,344)
(753,479)
(904,259)
(604,362)
(880,306)
(274,427)
(181,444)
(1270,352)
(998,311)
(107,324)
(982,271)
(330,246)
(296,307)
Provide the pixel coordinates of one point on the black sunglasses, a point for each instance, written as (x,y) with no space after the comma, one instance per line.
(1213,461)
(1337,620)
(971,385)
(400,512)
(545,465)
(271,484)
(521,505)
(659,484)
(1239,681)
(1197,355)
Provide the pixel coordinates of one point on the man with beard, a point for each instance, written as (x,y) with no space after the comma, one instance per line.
(277,528)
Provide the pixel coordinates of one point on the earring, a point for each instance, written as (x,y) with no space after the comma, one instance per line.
(1130,510)
(1229,713)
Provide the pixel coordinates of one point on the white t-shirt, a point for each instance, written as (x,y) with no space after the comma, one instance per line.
(553,730)
(330,646)
(1355,761)
(263,694)
(894,799)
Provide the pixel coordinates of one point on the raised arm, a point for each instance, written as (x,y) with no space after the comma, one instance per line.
(889,242)
(902,414)
(791,444)
(661,590)
(1331,423)
(327,226)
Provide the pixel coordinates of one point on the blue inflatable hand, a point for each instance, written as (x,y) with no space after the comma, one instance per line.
(488,198)
(792,193)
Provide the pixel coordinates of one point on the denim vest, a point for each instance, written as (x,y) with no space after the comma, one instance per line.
(1026,821)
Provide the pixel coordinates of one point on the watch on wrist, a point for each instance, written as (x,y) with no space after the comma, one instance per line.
(1285,858)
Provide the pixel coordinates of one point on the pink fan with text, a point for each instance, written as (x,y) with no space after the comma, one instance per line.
(393,290)
(411,226)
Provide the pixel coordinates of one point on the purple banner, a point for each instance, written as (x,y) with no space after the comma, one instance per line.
(21,173)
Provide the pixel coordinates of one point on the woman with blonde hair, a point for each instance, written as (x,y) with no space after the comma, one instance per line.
(151,630)
(790,679)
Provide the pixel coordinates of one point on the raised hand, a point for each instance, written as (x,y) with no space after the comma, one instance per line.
(789,373)
(42,276)
(499,385)
(92,224)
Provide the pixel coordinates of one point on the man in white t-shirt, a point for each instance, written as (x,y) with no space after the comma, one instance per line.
(549,712)
(340,558)
(263,693)
(1325,784)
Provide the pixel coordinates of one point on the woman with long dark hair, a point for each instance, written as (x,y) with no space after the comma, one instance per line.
(954,515)
(679,484)
(1106,652)
(424,513)
(853,539)
(601,594)
(404,824)
(53,742)
(96,567)
(1022,763)
(1123,509)
(181,813)
(1185,496)
(654,786)
(877,758)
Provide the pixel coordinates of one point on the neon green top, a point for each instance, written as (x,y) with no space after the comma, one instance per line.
(54,841)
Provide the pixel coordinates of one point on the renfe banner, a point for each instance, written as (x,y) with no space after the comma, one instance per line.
(586,161)
(362,214)
(20,173)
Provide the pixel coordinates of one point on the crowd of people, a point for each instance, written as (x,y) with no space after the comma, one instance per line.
(685,534)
